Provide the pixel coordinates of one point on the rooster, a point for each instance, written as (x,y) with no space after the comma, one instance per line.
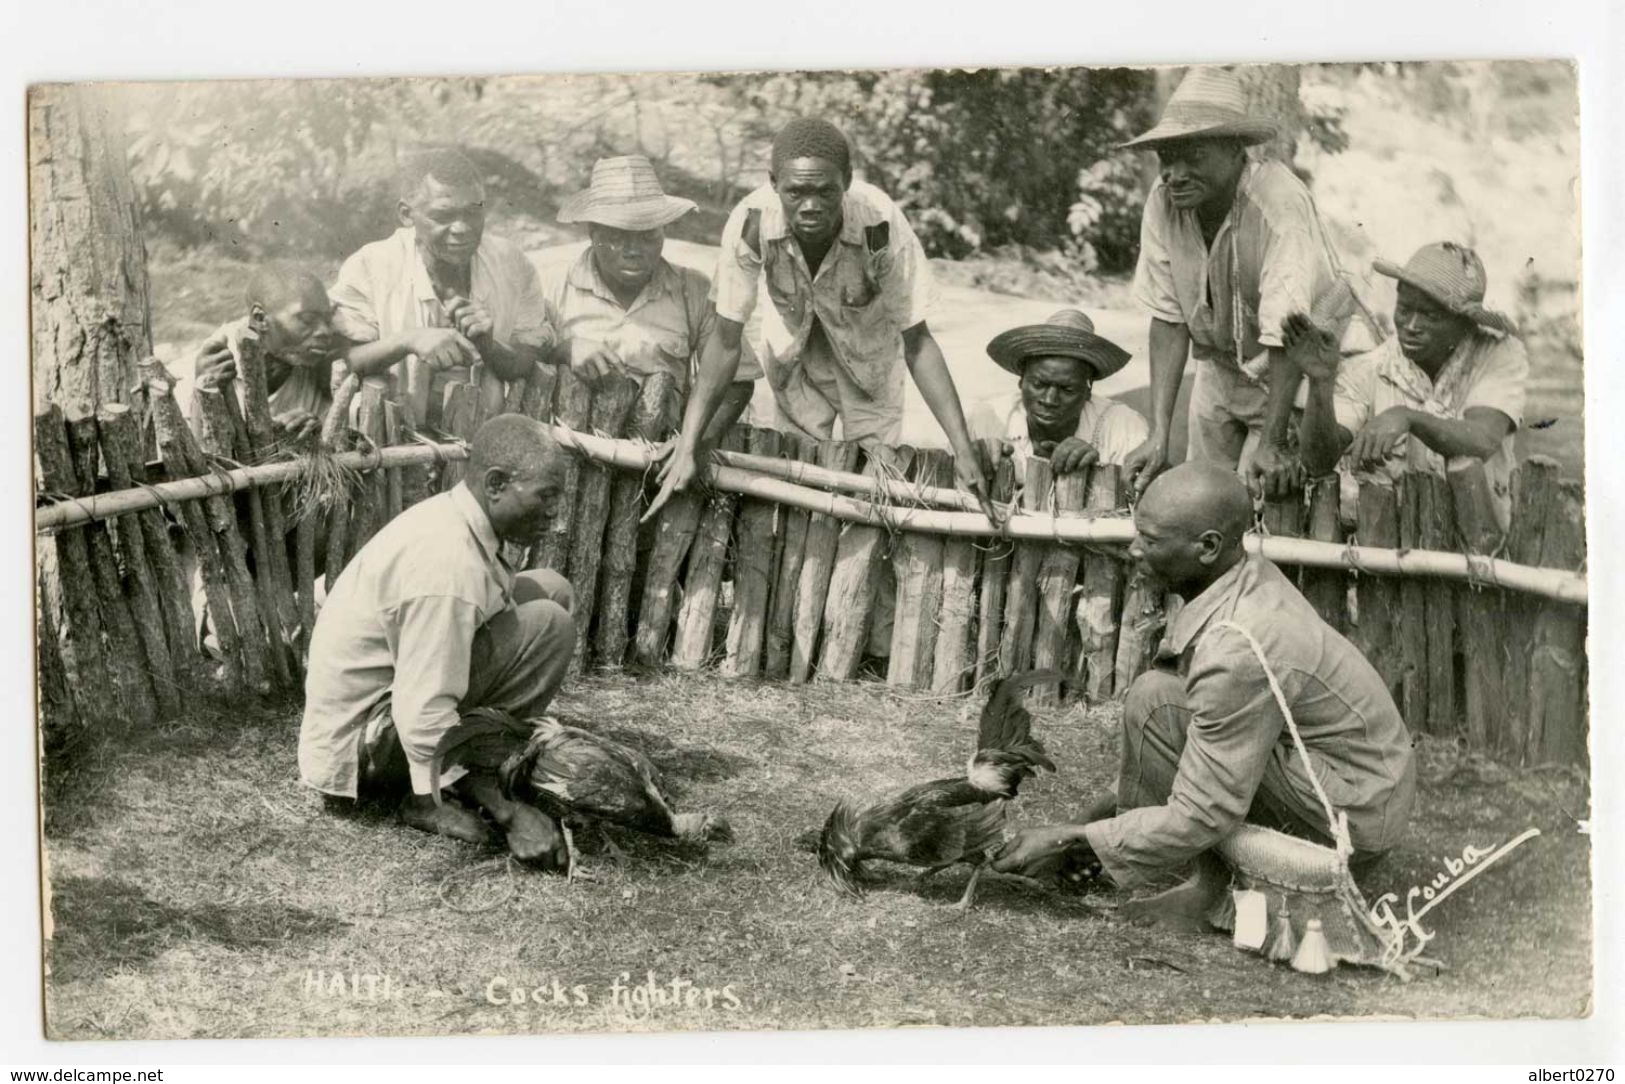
(572,775)
(939,824)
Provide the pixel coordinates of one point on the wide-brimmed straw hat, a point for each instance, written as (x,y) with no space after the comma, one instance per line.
(1452,275)
(1067,334)
(625,194)
(1208,104)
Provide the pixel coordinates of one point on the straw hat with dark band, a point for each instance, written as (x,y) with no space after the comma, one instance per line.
(625,195)
(1208,104)
(1452,275)
(1067,334)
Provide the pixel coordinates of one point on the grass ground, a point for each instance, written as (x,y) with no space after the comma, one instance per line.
(198,891)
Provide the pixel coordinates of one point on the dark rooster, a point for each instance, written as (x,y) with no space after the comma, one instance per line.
(936,825)
(573,775)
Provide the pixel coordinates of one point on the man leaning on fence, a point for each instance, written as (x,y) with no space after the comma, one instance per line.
(441,300)
(1205,745)
(1053,412)
(621,305)
(847,288)
(1449,384)
(1228,247)
(428,621)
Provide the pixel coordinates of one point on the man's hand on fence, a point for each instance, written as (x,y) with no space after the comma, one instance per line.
(1145,463)
(1273,472)
(470,318)
(1072,455)
(442,348)
(969,477)
(680,468)
(215,364)
(296,427)
(591,361)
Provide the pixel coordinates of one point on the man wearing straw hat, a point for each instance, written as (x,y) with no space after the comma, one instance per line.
(1053,412)
(440,300)
(847,290)
(1228,247)
(429,620)
(622,306)
(1449,383)
(1206,745)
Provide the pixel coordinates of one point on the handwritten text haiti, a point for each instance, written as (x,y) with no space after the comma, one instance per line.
(650,994)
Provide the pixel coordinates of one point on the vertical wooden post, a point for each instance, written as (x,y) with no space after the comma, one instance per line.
(753,573)
(149,554)
(781,612)
(1412,624)
(996,555)
(1439,533)
(460,416)
(58,713)
(1327,589)
(1102,589)
(1283,516)
(651,422)
(918,559)
(1534,492)
(260,431)
(955,663)
(1145,618)
(215,435)
(394,492)
(1479,609)
(817,565)
(1021,596)
(853,584)
(676,527)
(1378,596)
(1057,595)
(1557,728)
(611,404)
(372,499)
(536,398)
(87,660)
(572,407)
(233,627)
(709,555)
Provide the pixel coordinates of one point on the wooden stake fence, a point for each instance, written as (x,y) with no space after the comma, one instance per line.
(1488,647)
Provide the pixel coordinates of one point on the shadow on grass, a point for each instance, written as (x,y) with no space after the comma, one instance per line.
(104,924)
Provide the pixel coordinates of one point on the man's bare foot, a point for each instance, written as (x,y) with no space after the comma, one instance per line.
(1184,907)
(446,819)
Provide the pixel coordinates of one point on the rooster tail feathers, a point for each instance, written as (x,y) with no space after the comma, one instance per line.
(514,773)
(1006,724)
(838,849)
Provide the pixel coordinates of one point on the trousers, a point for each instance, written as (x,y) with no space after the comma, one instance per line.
(519,660)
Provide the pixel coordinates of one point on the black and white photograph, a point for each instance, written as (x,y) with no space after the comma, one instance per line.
(791,550)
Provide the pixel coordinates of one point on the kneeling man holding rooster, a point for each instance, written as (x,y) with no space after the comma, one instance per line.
(1205,743)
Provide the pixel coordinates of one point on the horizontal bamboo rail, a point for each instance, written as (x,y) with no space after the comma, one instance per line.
(1558,584)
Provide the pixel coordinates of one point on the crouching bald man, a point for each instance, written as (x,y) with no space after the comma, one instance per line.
(1206,747)
(429,621)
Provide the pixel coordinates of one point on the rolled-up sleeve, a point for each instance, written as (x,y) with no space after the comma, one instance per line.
(1286,281)
(434,637)
(1502,381)
(1235,724)
(536,321)
(1154,273)
(739,270)
(1355,393)
(355,314)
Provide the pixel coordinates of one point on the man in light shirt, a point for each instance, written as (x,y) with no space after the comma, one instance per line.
(1228,247)
(429,621)
(847,288)
(1053,413)
(622,306)
(1449,384)
(440,300)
